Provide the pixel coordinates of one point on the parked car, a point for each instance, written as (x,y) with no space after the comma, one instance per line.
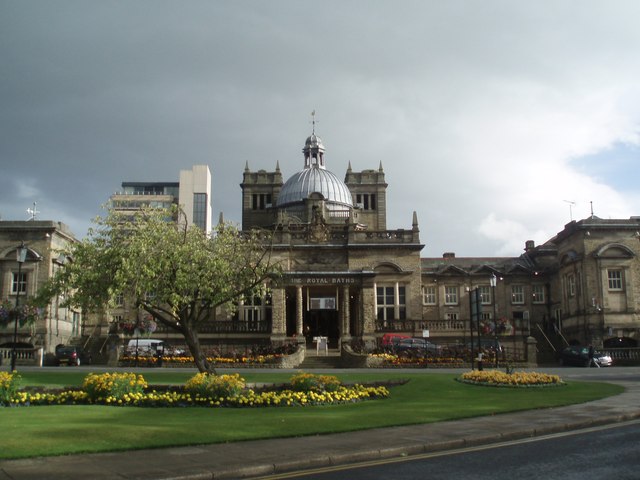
(578,355)
(414,345)
(389,338)
(72,355)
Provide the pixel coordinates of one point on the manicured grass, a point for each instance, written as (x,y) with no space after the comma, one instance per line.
(425,398)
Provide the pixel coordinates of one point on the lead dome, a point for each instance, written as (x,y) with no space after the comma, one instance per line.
(314,178)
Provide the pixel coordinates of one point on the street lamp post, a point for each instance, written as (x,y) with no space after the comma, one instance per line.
(494,282)
(21,257)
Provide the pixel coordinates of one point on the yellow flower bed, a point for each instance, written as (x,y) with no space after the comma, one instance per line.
(205,384)
(104,385)
(9,383)
(126,389)
(187,360)
(517,379)
(308,382)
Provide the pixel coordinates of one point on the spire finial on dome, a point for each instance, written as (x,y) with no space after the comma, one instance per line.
(313,122)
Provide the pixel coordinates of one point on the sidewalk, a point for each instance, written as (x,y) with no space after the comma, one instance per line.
(263,457)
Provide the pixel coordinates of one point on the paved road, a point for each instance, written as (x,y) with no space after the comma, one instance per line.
(607,451)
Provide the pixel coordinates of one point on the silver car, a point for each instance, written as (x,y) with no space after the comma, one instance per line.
(578,356)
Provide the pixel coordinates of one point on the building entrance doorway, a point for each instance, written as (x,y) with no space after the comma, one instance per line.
(322,323)
(318,310)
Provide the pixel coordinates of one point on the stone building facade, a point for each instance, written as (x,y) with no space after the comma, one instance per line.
(346,276)
(43,239)
(581,286)
(596,282)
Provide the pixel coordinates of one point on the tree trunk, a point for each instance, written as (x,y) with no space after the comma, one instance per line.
(193,342)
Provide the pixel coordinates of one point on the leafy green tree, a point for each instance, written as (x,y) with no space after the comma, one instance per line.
(176,273)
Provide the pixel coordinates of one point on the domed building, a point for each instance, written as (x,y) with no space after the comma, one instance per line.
(344,271)
(314,179)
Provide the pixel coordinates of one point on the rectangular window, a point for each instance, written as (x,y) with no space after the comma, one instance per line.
(485,316)
(517,294)
(385,298)
(429,295)
(615,280)
(387,303)
(200,210)
(19,283)
(537,292)
(119,301)
(261,201)
(485,294)
(252,312)
(451,295)
(571,285)
(367,201)
(451,316)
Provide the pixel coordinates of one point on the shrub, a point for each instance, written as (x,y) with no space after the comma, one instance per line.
(308,382)
(215,386)
(115,385)
(9,385)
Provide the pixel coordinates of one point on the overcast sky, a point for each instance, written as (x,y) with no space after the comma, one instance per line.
(489,117)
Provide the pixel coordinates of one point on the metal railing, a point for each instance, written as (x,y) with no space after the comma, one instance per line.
(228,326)
(448,325)
(394,325)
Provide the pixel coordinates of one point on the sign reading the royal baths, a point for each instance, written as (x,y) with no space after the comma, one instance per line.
(322,280)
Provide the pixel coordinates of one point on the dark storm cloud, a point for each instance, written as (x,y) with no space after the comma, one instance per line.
(456,99)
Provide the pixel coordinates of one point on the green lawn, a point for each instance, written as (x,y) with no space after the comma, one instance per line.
(425,398)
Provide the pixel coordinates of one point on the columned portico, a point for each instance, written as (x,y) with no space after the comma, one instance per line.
(321,304)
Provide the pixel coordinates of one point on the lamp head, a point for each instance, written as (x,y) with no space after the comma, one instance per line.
(21,253)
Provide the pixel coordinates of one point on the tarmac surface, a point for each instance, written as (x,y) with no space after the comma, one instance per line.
(268,457)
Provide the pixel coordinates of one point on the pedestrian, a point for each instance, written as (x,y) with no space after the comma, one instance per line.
(591,359)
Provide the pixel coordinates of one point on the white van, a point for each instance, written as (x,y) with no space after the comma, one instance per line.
(146,346)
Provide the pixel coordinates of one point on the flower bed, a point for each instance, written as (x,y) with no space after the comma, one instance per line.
(187,361)
(495,378)
(9,385)
(392,360)
(126,389)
